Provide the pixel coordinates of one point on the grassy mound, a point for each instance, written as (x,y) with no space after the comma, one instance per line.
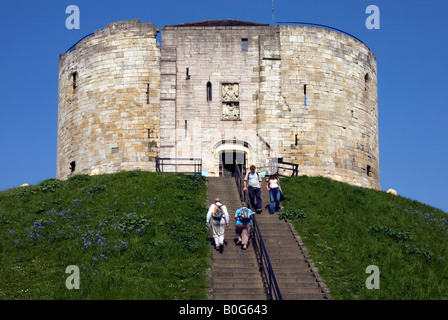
(347,229)
(141,235)
(132,235)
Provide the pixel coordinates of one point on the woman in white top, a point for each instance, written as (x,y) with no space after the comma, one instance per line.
(273,185)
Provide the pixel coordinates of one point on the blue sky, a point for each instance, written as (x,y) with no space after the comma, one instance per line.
(410,46)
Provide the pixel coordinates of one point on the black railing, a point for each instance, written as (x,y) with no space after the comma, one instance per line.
(288,167)
(239,179)
(179,165)
(273,291)
(73,47)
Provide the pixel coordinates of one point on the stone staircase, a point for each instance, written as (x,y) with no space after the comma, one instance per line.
(296,276)
(235,275)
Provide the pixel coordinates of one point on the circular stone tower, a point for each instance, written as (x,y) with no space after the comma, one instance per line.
(109,88)
(329,85)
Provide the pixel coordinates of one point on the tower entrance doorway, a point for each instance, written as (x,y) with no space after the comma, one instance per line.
(228,159)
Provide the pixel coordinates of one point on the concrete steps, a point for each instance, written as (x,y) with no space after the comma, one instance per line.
(295,276)
(235,275)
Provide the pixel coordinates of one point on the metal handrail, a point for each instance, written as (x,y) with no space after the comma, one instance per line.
(197,164)
(264,264)
(73,47)
(244,195)
(292,167)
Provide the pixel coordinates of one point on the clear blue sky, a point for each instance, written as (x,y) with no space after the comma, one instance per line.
(411,49)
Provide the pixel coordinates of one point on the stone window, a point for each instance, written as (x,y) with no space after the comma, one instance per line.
(304,95)
(366,78)
(74,76)
(209,91)
(230,101)
(72,166)
(369,171)
(366,82)
(244,44)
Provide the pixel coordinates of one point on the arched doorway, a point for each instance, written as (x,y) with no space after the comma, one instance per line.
(228,159)
(229,153)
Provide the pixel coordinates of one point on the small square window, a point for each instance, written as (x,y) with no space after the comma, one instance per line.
(244,44)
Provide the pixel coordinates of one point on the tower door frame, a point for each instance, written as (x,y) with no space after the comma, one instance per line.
(227,160)
(226,151)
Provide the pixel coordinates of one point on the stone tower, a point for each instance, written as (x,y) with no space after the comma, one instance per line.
(109,89)
(220,90)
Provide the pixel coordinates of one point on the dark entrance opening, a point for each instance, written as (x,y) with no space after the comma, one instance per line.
(227,160)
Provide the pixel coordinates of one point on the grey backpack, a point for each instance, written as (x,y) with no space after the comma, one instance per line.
(244,215)
(218,213)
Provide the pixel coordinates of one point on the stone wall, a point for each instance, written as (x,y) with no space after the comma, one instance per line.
(107,120)
(200,126)
(336,133)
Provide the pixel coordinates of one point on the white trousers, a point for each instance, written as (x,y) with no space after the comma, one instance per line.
(218,229)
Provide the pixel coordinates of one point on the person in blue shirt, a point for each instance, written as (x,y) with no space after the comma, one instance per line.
(243,226)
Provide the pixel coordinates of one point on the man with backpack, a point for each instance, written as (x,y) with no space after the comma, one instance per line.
(243,226)
(219,217)
(253,179)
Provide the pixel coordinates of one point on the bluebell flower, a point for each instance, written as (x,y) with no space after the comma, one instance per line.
(125,244)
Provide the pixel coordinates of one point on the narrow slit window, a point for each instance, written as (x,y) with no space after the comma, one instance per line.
(244,44)
(147,93)
(366,82)
(304,95)
(209,91)
(369,171)
(72,166)
(74,78)
(188,74)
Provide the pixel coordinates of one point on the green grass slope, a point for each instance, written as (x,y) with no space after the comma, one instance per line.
(132,235)
(141,235)
(346,229)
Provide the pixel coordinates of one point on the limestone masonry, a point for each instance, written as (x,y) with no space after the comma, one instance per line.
(219,90)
